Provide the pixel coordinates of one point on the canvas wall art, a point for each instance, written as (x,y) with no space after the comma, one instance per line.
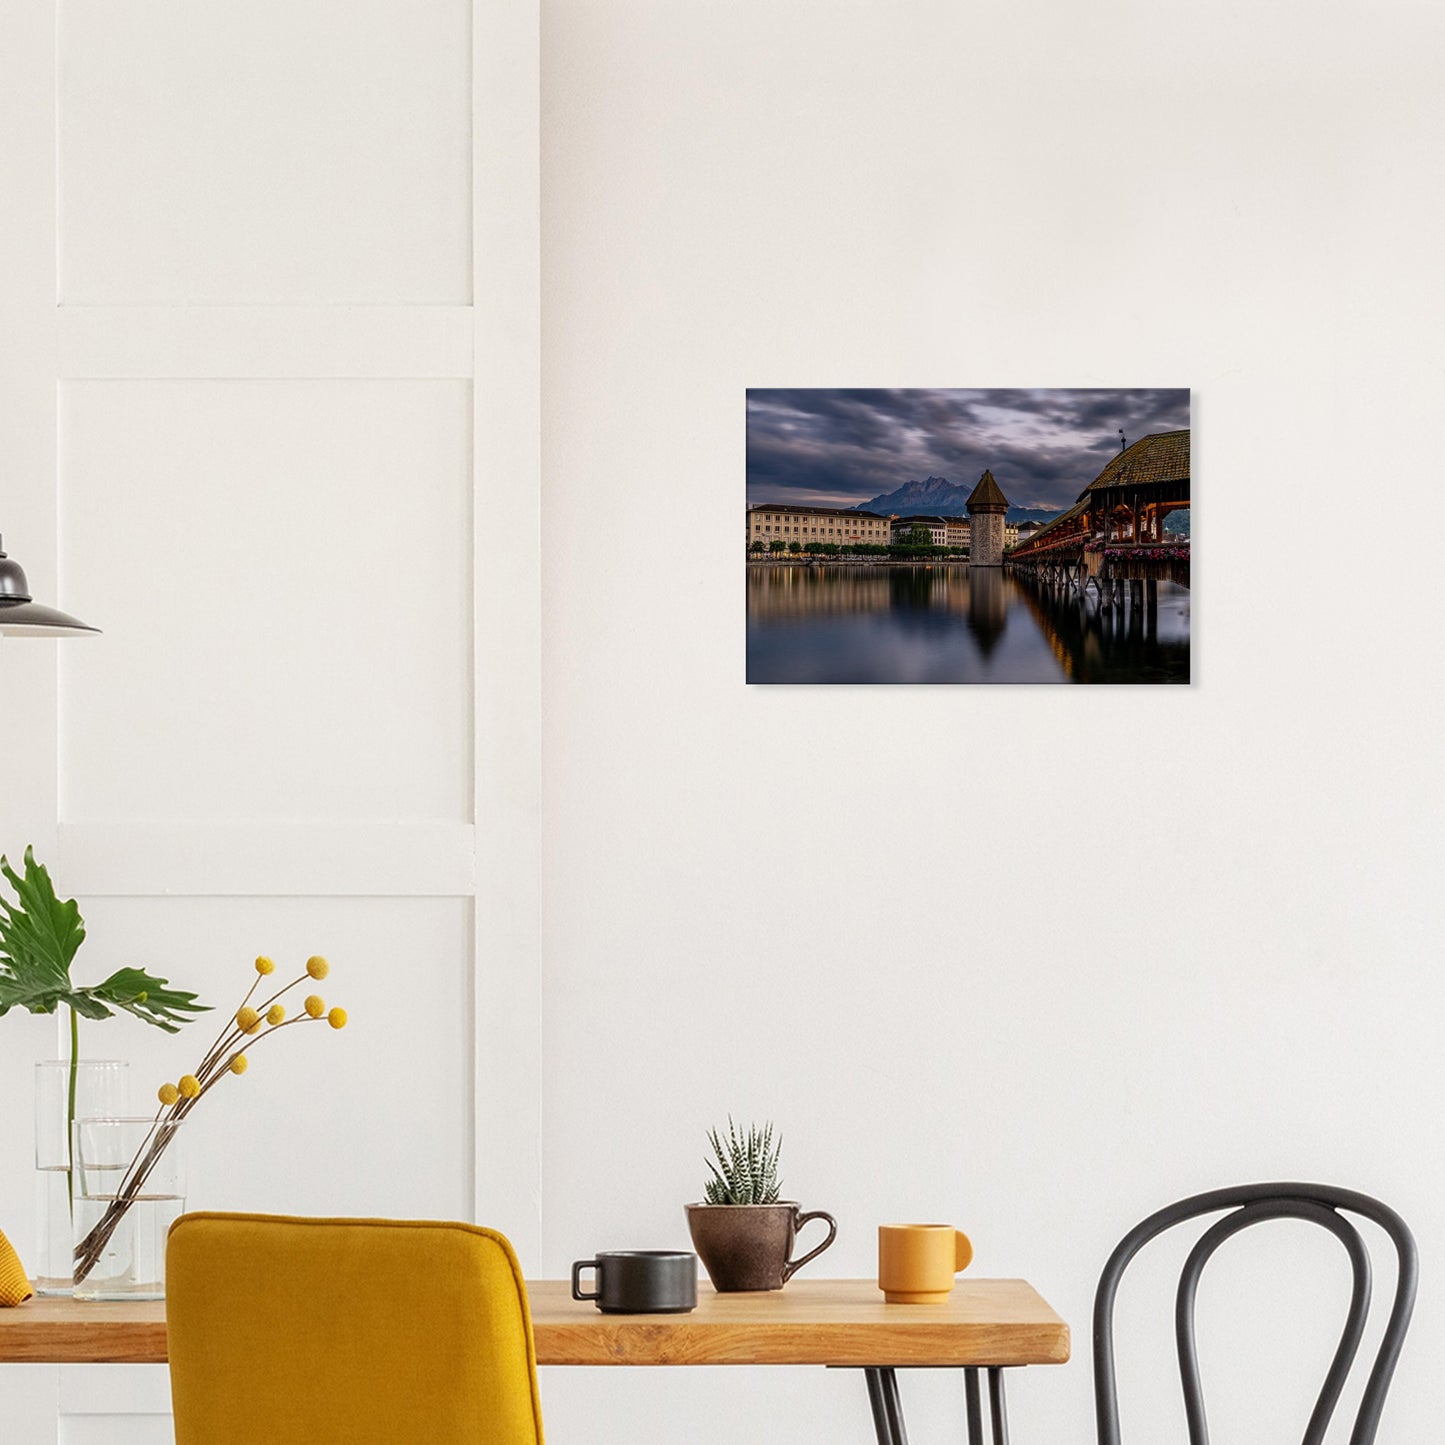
(968,536)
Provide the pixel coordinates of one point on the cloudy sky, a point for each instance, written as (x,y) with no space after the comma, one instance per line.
(841,448)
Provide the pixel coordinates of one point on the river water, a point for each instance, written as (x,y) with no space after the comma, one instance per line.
(952,623)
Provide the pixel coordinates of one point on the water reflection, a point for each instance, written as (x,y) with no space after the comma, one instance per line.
(987,607)
(953,623)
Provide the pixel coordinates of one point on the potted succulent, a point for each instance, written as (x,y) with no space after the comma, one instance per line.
(742,1230)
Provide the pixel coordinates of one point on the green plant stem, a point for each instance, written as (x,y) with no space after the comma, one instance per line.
(70,1109)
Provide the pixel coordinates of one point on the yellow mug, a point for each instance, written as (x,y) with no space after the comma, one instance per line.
(917,1262)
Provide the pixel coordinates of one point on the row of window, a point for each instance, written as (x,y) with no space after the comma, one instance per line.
(806,531)
(771,523)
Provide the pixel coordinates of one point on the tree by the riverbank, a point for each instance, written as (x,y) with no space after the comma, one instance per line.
(895,550)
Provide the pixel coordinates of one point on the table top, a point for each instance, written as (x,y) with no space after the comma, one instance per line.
(811,1322)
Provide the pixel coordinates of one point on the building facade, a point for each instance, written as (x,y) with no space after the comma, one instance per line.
(937,528)
(768,522)
(958,532)
(987,508)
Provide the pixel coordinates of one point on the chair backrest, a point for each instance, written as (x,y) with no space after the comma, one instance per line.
(1251,1203)
(352,1331)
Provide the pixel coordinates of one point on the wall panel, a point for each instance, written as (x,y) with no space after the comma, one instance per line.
(247,151)
(374,1119)
(284,572)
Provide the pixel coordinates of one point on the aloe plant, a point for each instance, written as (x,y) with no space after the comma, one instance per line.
(744,1167)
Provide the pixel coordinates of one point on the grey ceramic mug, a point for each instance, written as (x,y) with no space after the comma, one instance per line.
(640,1281)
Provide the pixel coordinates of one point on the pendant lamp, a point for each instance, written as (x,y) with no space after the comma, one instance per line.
(20,617)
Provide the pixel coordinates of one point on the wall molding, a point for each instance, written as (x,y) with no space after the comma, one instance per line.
(237,342)
(507,631)
(268,860)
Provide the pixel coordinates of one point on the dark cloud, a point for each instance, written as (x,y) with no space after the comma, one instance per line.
(840,448)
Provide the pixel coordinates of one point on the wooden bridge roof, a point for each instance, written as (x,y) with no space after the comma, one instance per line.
(1044,532)
(1163,457)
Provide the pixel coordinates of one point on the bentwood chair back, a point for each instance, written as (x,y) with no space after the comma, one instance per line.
(347,1332)
(1250,1204)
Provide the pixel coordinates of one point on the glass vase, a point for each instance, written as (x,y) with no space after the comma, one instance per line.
(129,1190)
(101,1087)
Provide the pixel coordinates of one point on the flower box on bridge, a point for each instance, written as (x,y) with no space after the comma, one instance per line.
(1146,562)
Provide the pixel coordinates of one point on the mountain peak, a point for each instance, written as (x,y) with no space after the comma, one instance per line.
(931,495)
(938,497)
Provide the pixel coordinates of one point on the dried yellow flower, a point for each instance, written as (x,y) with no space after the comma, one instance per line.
(275,1015)
(247,1019)
(265,965)
(317,966)
(337,1018)
(168,1094)
(190,1087)
(239,1064)
(315,1006)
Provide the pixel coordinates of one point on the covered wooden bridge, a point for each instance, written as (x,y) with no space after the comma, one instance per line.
(1114,534)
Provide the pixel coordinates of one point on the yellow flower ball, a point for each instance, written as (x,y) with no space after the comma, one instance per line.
(239,1064)
(337,1018)
(168,1094)
(190,1087)
(275,1015)
(265,965)
(247,1018)
(315,1006)
(317,966)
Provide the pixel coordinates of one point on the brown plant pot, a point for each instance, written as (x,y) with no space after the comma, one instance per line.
(748,1246)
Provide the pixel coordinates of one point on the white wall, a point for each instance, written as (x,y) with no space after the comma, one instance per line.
(1229,973)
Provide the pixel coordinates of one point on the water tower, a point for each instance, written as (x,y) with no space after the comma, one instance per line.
(987,508)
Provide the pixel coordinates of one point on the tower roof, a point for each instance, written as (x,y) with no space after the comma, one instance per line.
(986,496)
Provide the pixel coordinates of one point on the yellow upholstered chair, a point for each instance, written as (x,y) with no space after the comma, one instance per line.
(14,1284)
(347,1332)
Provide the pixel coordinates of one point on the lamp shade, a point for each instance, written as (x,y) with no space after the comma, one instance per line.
(20,616)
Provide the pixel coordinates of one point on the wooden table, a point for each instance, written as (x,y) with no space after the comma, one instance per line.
(987,1324)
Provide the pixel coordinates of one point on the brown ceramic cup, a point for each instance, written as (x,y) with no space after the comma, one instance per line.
(749,1246)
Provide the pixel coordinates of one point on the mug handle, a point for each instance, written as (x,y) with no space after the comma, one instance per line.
(794,1265)
(577,1279)
(962,1251)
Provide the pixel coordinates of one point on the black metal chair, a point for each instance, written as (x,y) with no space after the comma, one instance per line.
(1317,1204)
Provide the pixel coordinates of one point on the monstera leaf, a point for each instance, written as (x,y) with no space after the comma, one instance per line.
(145,996)
(39,936)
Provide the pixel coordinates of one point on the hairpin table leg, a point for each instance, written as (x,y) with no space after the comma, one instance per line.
(997,1406)
(975,1406)
(887,1407)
